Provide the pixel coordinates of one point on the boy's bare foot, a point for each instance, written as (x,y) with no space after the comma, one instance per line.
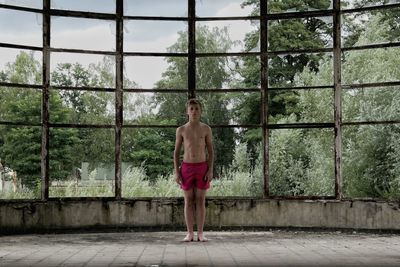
(201,238)
(188,238)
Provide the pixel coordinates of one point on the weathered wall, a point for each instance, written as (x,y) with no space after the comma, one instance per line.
(168,213)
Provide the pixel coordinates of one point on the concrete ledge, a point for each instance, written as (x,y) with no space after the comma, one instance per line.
(27,216)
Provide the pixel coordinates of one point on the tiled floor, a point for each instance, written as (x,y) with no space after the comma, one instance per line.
(275,248)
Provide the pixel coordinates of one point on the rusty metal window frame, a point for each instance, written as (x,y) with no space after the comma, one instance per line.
(119,54)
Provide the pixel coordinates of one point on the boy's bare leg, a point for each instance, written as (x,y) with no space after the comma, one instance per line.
(189,213)
(200,196)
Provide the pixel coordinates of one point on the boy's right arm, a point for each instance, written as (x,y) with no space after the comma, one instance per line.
(178,144)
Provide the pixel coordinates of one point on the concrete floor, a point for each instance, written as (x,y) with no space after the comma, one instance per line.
(273,248)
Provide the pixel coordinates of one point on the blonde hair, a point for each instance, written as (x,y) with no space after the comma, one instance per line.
(193,101)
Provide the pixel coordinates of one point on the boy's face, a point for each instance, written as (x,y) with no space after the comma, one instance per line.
(194,111)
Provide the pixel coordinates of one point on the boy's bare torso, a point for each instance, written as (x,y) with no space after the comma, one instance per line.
(194,141)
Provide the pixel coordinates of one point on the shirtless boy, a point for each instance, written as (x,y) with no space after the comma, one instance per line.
(196,171)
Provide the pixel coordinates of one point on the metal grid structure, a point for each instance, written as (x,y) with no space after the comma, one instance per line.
(336,12)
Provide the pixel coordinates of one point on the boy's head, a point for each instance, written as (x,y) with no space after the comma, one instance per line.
(193,108)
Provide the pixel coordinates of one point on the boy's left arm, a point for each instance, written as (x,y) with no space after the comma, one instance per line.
(210,150)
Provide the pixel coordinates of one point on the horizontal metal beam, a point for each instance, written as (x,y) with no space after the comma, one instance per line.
(17,46)
(21,8)
(20,85)
(82,51)
(300,125)
(368,85)
(370,122)
(371,46)
(300,88)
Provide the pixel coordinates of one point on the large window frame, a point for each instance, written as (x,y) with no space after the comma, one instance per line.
(336,12)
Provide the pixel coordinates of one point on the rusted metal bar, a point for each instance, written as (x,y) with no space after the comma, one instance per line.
(155,54)
(45,101)
(21,85)
(82,125)
(155,18)
(82,14)
(300,125)
(228,18)
(370,8)
(300,88)
(228,54)
(119,67)
(301,51)
(82,51)
(16,46)
(175,125)
(21,8)
(191,48)
(302,14)
(366,85)
(230,90)
(10,123)
(142,90)
(337,97)
(372,46)
(264,93)
(92,89)
(370,122)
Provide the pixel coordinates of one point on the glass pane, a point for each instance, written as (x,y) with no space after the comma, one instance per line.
(20,66)
(165,8)
(147,163)
(277,6)
(82,162)
(302,33)
(155,72)
(371,104)
(230,108)
(226,36)
(73,106)
(78,33)
(301,106)
(300,70)
(102,6)
(20,173)
(371,65)
(302,162)
(146,171)
(154,108)
(20,105)
(372,27)
(238,167)
(227,72)
(24,3)
(20,27)
(155,36)
(74,70)
(223,8)
(347,4)
(371,161)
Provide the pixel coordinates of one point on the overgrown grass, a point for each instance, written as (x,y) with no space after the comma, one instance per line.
(135,183)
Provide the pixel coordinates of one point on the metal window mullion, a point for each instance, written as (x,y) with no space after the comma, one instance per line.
(119,66)
(264,93)
(191,48)
(337,98)
(45,101)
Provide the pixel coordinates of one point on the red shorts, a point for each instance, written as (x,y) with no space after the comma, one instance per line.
(193,174)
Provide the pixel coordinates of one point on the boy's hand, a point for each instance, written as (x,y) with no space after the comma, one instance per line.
(209,176)
(178,177)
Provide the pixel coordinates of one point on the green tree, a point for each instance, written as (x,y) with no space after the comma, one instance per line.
(21,145)
(370,152)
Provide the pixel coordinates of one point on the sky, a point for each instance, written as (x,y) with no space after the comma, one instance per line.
(92,34)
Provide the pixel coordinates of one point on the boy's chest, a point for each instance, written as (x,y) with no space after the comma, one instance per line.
(193,136)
